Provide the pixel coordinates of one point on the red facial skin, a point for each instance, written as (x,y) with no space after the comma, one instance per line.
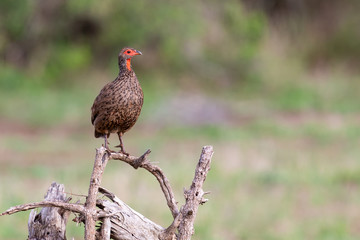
(130,52)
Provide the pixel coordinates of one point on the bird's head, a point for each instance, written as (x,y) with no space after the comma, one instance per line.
(125,56)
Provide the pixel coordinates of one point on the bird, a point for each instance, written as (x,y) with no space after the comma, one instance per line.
(118,105)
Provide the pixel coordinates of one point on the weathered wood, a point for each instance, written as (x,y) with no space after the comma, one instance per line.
(101,159)
(194,196)
(154,170)
(105,228)
(183,222)
(73,207)
(126,223)
(50,223)
(118,220)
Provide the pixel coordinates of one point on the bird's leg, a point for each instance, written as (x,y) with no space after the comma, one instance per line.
(105,137)
(121,145)
(106,143)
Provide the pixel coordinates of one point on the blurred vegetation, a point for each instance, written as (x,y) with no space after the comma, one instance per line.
(54,40)
(272,84)
(324,31)
(213,41)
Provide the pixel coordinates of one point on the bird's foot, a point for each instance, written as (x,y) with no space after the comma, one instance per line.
(108,149)
(122,150)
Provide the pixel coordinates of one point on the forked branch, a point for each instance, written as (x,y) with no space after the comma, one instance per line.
(118,220)
(143,162)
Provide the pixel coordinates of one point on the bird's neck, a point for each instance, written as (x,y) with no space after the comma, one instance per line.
(125,65)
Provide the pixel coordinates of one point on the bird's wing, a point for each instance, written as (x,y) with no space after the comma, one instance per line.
(94,111)
(99,101)
(96,107)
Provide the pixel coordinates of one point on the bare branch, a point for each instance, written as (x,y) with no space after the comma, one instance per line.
(105,229)
(135,162)
(118,220)
(157,172)
(101,159)
(169,233)
(194,196)
(78,208)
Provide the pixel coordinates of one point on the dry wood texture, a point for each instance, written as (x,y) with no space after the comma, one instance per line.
(50,223)
(194,196)
(119,221)
(101,159)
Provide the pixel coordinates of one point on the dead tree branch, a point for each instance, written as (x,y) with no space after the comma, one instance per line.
(194,196)
(50,223)
(126,223)
(156,171)
(88,210)
(73,207)
(101,159)
(119,221)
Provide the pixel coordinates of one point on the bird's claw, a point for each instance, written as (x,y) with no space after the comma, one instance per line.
(108,149)
(122,150)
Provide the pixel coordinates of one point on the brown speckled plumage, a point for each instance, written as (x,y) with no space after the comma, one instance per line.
(118,105)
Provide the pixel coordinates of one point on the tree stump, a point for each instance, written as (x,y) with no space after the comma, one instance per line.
(50,223)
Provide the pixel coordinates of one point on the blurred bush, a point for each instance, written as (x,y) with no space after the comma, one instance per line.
(322,32)
(50,40)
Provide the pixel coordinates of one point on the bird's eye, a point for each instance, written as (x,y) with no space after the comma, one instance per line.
(128,51)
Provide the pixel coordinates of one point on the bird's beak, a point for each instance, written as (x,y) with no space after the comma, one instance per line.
(138,52)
